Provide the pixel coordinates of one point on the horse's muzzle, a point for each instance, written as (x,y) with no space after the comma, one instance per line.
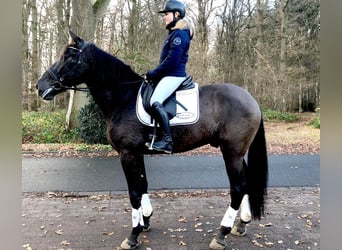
(47,94)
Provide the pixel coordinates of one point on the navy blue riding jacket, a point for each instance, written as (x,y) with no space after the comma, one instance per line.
(174,54)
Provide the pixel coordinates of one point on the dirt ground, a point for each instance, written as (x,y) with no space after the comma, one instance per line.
(281,138)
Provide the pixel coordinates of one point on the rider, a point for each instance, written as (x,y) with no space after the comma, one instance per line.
(170,72)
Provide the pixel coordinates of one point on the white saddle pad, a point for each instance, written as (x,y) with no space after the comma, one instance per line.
(188,98)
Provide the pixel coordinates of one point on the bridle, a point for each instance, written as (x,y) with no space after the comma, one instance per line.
(58,80)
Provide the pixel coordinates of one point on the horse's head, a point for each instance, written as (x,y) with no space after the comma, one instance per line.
(69,71)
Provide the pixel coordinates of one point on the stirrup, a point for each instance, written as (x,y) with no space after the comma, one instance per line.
(154,135)
(149,145)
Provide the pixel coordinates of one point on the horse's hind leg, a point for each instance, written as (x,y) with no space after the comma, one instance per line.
(134,169)
(245,215)
(238,188)
(239,228)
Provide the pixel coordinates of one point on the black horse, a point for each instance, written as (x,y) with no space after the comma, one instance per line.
(230,118)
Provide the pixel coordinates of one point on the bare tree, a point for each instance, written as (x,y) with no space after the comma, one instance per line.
(230,51)
(199,50)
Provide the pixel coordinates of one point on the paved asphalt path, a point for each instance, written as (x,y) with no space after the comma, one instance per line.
(163,172)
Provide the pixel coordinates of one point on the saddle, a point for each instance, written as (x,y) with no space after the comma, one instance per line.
(182,106)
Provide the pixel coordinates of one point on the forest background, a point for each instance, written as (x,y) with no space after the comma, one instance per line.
(270,48)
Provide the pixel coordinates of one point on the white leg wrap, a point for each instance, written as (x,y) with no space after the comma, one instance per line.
(137,217)
(245,214)
(146,205)
(229,217)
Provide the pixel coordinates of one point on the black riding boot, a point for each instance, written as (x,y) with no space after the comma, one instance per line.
(165,144)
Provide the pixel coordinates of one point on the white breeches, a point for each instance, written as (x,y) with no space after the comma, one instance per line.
(165,88)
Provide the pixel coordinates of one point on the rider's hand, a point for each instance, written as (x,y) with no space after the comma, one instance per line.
(149,76)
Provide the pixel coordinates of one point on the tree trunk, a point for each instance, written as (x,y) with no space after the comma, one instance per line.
(259,44)
(25,54)
(282,83)
(83,22)
(35,57)
(205,8)
(300,96)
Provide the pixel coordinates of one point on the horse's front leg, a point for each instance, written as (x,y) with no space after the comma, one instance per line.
(134,169)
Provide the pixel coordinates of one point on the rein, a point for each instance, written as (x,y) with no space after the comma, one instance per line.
(87,89)
(57,85)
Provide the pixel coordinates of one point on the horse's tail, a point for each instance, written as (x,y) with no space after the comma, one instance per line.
(257,172)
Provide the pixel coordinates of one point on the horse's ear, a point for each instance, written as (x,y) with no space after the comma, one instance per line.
(74,39)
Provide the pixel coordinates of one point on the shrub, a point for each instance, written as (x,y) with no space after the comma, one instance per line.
(316,122)
(270,115)
(92,125)
(46,127)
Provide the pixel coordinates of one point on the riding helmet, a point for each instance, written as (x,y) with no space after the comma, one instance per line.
(173,6)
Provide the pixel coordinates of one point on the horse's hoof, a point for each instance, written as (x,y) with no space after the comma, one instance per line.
(146,228)
(127,244)
(238,231)
(147,225)
(217,244)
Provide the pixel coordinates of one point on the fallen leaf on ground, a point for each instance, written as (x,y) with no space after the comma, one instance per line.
(297,242)
(182,243)
(52,194)
(59,231)
(65,243)
(27,247)
(183,219)
(257,243)
(269,244)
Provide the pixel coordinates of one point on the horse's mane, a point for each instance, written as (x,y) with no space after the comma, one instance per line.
(111,81)
(114,67)
(108,65)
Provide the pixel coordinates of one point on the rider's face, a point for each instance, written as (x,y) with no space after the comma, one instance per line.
(168,17)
